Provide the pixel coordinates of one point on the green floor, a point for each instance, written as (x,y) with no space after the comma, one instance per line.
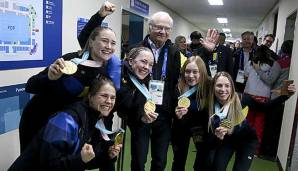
(257,165)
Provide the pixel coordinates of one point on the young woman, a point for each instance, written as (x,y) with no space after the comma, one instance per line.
(228,124)
(131,100)
(191,121)
(71,140)
(53,89)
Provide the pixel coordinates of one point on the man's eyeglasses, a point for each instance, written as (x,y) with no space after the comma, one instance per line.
(160,28)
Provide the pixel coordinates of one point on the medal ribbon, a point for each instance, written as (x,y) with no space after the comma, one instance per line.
(140,87)
(104,132)
(189,92)
(77,61)
(164,65)
(221,112)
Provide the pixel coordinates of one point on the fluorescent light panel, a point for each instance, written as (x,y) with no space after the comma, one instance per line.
(215,2)
(226,30)
(222,20)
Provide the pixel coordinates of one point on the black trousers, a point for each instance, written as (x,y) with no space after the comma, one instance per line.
(244,149)
(159,132)
(182,131)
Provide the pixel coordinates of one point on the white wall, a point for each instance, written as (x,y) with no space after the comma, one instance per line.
(72,9)
(285,8)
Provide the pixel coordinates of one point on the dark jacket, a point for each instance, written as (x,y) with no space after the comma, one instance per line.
(130,101)
(57,147)
(51,96)
(172,75)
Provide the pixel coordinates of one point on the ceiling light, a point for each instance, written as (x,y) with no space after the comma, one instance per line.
(226,30)
(215,2)
(222,20)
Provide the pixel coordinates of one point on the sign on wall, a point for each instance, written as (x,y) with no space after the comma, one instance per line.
(12,102)
(30,33)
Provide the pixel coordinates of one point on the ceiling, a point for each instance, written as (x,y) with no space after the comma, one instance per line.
(243,15)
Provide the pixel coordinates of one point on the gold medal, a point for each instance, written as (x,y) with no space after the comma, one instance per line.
(184,102)
(119,138)
(70,68)
(149,106)
(226,123)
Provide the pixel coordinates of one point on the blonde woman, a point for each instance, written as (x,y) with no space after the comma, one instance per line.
(232,132)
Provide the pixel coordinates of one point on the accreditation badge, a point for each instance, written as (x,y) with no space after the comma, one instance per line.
(156,89)
(240,76)
(213,69)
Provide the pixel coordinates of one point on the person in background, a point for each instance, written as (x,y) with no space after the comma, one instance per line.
(195,45)
(191,121)
(180,43)
(275,77)
(53,90)
(220,59)
(75,138)
(258,89)
(241,58)
(222,38)
(268,41)
(234,136)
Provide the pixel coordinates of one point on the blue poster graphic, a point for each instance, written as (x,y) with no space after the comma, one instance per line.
(13,99)
(30,33)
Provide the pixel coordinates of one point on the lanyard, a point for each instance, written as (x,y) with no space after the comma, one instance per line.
(189,92)
(140,87)
(77,61)
(241,59)
(222,112)
(164,65)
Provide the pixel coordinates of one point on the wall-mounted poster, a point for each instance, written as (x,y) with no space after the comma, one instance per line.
(30,33)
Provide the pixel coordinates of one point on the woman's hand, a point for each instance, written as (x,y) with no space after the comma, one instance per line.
(106,9)
(54,72)
(220,132)
(87,153)
(180,111)
(211,39)
(114,150)
(149,117)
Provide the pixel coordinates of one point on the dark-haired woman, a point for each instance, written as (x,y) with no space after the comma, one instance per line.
(75,138)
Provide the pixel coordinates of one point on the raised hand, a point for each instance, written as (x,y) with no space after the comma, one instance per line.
(54,72)
(211,39)
(107,8)
(87,153)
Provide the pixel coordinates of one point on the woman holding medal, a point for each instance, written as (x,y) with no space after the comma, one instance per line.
(229,126)
(65,81)
(74,139)
(134,103)
(191,113)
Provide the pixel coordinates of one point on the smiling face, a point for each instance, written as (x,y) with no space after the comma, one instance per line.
(192,74)
(104,99)
(142,64)
(160,28)
(222,89)
(103,46)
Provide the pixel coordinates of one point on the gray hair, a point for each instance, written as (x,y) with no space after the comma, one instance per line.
(159,15)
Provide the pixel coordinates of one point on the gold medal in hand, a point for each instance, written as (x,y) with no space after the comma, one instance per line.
(149,106)
(69,68)
(184,102)
(226,123)
(119,138)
